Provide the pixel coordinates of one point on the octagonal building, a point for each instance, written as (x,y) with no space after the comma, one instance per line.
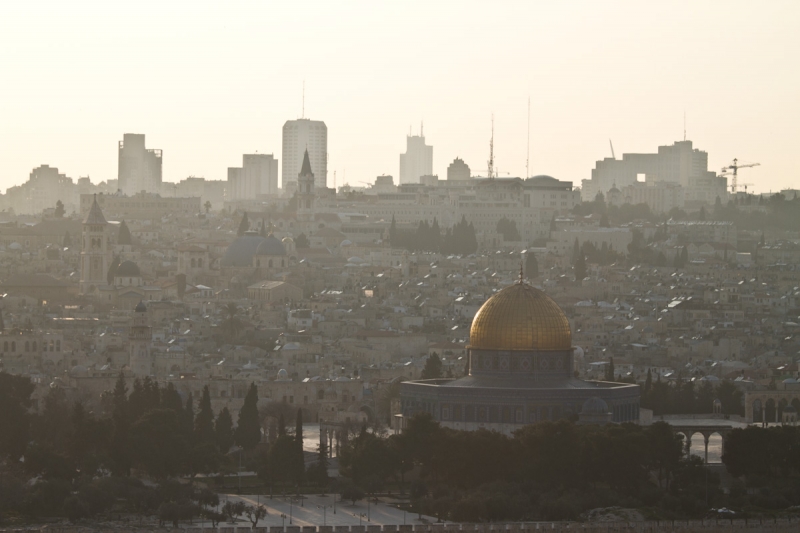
(521,371)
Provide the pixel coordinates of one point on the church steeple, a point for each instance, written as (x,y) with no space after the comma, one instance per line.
(306,196)
(305,170)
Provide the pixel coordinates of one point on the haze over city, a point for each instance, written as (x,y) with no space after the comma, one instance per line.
(207,82)
(399,267)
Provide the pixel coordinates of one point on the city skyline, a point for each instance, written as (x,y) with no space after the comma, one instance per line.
(592,73)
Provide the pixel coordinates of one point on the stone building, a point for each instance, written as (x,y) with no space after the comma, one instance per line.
(521,371)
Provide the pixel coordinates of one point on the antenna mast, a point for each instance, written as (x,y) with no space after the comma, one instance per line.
(491,151)
(528,153)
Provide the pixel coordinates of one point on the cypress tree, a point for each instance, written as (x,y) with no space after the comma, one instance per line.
(393,232)
(248,428)
(223,430)
(580,267)
(204,421)
(187,418)
(124,236)
(244,225)
(120,452)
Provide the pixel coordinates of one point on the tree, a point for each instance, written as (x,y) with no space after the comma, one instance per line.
(124,236)
(604,221)
(531,266)
(223,430)
(610,371)
(112,269)
(254,514)
(158,445)
(207,206)
(433,367)
(204,421)
(508,229)
(351,492)
(244,225)
(233,509)
(59,212)
(248,429)
(580,267)
(15,400)
(232,325)
(393,232)
(301,241)
(120,416)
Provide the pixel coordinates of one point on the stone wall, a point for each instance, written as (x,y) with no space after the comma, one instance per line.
(686,526)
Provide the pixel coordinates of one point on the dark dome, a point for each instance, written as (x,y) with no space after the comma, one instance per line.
(271,246)
(542,177)
(127,269)
(140,307)
(241,251)
(594,406)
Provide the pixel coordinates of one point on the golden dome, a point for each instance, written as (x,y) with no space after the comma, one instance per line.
(520,317)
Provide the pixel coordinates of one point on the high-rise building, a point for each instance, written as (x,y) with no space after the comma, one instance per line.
(417,161)
(679,164)
(298,136)
(139,168)
(257,176)
(458,170)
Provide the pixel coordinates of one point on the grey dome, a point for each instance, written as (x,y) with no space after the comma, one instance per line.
(127,269)
(140,307)
(594,406)
(541,177)
(241,251)
(271,246)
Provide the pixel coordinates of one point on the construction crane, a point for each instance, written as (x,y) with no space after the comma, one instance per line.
(613,155)
(726,171)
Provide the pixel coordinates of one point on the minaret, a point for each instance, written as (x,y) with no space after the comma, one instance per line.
(305,191)
(95,249)
(140,338)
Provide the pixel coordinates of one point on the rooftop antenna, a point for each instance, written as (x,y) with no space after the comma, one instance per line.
(491,151)
(421,125)
(528,154)
(613,155)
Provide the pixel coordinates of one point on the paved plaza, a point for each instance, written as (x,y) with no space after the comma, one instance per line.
(318,510)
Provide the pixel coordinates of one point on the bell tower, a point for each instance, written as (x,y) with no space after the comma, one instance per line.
(140,339)
(95,249)
(306,195)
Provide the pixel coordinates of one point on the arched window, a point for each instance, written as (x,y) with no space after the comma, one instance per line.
(200,263)
(13,346)
(34,346)
(5,346)
(58,345)
(194,263)
(270,263)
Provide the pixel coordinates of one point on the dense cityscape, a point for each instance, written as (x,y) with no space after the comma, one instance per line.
(622,346)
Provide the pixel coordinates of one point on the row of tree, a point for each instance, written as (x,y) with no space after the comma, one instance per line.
(690,397)
(551,470)
(460,239)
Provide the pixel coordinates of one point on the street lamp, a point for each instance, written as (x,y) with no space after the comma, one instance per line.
(324,513)
(360,516)
(283,518)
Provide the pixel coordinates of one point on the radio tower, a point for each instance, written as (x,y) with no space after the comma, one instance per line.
(491,151)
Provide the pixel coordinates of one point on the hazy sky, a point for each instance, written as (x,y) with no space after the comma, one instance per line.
(209,81)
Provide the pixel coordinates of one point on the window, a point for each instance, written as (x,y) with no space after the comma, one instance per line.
(27,346)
